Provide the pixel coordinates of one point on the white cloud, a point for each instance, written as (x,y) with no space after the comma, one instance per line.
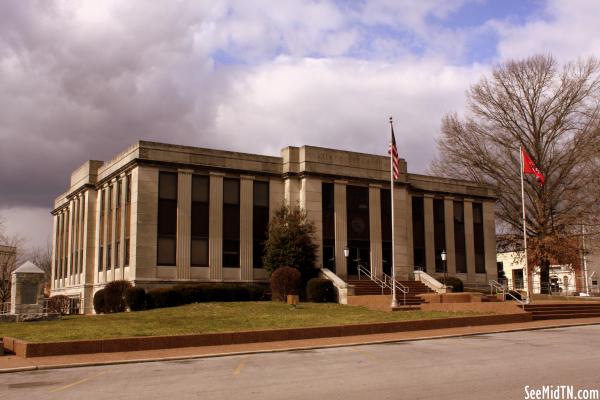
(568,30)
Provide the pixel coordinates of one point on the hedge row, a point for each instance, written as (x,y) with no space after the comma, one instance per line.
(139,299)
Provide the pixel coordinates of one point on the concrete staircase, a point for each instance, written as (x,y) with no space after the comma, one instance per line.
(563,310)
(365,287)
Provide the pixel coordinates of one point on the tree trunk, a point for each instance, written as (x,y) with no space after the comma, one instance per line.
(545,277)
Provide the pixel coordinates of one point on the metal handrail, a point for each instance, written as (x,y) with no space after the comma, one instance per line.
(385,283)
(498,287)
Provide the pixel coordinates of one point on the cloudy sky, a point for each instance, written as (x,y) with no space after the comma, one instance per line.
(82,79)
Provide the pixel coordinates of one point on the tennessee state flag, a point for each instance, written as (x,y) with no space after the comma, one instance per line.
(529,167)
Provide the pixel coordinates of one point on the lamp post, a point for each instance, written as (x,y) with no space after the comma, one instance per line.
(444,261)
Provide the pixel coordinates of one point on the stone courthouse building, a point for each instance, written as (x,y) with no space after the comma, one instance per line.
(161,214)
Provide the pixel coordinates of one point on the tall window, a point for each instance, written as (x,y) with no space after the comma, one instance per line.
(231,223)
(260,221)
(439,233)
(328,226)
(200,196)
(418,225)
(167,219)
(359,238)
(459,238)
(386,230)
(82,234)
(67,229)
(101,225)
(478,238)
(127,216)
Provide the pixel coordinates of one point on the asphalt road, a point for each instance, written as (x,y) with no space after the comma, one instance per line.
(494,366)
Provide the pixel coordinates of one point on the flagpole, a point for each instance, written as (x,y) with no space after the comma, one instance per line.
(526,271)
(394,300)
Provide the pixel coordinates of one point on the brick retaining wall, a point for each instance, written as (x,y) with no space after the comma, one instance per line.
(30,349)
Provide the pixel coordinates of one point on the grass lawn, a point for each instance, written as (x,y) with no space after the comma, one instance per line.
(205,318)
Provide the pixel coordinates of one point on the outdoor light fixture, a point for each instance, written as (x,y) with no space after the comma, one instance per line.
(445,268)
(346,251)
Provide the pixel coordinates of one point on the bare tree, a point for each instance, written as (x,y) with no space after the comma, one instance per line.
(8,260)
(553,112)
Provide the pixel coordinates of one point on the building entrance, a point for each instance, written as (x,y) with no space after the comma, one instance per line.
(359,255)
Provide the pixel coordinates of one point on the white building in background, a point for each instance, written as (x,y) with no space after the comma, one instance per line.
(564,279)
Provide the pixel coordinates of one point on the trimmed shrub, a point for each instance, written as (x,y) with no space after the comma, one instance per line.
(59,304)
(190,294)
(321,290)
(99,303)
(454,282)
(114,296)
(284,281)
(135,297)
(162,298)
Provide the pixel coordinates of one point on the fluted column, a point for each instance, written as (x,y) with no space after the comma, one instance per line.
(104,227)
(184,223)
(469,239)
(54,251)
(449,231)
(246,237)
(489,237)
(429,234)
(401,266)
(375,229)
(123,221)
(341,228)
(70,213)
(215,229)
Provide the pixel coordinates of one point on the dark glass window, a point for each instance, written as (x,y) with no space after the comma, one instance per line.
(418,226)
(231,223)
(478,238)
(439,233)
(167,218)
(200,213)
(260,221)
(359,234)
(109,222)
(386,230)
(459,238)
(328,226)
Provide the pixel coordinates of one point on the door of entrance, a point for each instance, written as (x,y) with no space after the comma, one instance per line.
(359,254)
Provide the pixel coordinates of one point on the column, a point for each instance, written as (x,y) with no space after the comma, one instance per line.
(123,201)
(246,214)
(59,247)
(469,239)
(489,237)
(69,266)
(113,238)
(341,227)
(311,202)
(429,234)
(403,270)
(449,227)
(54,251)
(375,227)
(104,228)
(184,223)
(410,257)
(215,221)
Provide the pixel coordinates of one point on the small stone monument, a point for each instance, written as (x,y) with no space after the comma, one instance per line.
(27,293)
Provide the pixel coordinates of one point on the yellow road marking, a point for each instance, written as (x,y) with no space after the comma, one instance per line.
(364,353)
(78,382)
(240,366)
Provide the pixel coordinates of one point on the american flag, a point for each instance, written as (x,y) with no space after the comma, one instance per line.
(393,152)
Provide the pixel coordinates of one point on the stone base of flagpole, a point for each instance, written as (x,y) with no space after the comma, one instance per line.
(394,303)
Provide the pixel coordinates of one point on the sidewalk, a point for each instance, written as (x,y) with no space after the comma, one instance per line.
(14,363)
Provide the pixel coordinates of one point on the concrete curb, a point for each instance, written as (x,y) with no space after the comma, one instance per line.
(287,349)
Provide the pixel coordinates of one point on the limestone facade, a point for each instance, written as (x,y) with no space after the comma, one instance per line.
(160,214)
